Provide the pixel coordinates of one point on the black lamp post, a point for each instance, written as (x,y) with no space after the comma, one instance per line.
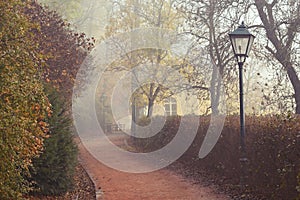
(241,40)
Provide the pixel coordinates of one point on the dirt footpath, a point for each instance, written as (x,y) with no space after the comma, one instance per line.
(159,185)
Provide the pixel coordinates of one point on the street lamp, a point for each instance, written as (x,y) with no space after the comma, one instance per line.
(241,40)
(103,99)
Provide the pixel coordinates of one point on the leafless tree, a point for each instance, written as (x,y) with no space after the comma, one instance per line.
(281,25)
(210,22)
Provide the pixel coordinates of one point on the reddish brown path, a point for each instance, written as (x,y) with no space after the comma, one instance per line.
(159,185)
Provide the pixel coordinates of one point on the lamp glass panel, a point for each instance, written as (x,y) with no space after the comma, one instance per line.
(240,45)
(251,40)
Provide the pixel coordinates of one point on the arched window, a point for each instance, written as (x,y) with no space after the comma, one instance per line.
(170,106)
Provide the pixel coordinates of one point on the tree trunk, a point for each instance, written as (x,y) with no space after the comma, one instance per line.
(292,74)
(297,98)
(150,108)
(215,91)
(151,98)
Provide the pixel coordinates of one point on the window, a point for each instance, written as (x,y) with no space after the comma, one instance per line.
(170,106)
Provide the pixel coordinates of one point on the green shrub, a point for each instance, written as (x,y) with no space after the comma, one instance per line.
(53,171)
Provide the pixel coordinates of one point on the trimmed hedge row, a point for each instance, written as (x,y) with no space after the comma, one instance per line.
(273,151)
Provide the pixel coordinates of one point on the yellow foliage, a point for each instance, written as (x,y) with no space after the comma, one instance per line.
(23,102)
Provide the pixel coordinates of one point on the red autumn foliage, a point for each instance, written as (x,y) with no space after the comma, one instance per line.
(63,48)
